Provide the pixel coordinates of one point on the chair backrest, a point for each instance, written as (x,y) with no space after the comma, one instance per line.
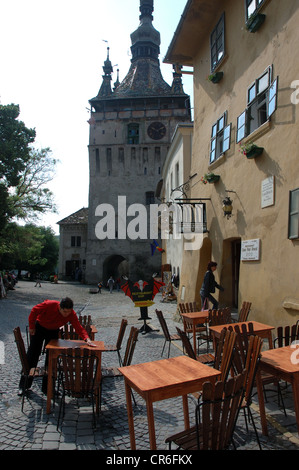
(121,333)
(253,355)
(85,320)
(286,335)
(130,348)
(186,343)
(224,352)
(163,324)
(21,350)
(68,331)
(188,307)
(220,317)
(244,312)
(218,412)
(77,371)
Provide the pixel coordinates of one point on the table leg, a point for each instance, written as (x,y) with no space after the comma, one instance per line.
(151,425)
(50,382)
(194,337)
(186,411)
(270,342)
(130,416)
(295,387)
(259,386)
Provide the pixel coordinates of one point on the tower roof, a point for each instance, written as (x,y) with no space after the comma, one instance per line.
(144,78)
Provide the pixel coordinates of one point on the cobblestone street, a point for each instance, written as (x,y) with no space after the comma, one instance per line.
(35,430)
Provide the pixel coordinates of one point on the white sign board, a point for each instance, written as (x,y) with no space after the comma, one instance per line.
(267,192)
(250,250)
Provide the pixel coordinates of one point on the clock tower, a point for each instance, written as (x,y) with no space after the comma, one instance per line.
(131,126)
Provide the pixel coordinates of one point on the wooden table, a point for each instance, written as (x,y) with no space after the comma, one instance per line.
(58,346)
(263,331)
(196,318)
(160,380)
(283,363)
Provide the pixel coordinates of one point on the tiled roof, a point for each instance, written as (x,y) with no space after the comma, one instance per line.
(79,217)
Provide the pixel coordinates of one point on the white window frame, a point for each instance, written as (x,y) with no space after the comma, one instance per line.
(220,138)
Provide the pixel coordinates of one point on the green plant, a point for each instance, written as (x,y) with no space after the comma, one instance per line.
(208,177)
(246,148)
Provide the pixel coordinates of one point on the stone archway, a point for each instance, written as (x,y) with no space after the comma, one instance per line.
(115,266)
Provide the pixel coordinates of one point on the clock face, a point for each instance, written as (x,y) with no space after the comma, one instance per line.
(156,130)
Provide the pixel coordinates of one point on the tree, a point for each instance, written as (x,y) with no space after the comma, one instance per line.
(24,172)
(30,197)
(30,248)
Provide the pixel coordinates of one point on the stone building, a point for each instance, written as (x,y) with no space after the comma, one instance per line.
(131,126)
(246,80)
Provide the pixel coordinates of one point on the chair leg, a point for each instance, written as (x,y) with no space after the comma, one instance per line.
(254,427)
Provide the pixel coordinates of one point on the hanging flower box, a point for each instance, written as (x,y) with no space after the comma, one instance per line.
(251,150)
(210,178)
(215,77)
(254,22)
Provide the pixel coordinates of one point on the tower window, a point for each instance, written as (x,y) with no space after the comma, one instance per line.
(133,134)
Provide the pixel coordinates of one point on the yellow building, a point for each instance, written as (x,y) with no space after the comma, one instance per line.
(246,91)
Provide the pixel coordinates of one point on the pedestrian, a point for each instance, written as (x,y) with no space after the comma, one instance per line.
(38,279)
(100,285)
(110,284)
(45,319)
(208,287)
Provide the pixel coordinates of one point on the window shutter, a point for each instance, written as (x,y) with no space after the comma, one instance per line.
(273,90)
(241,126)
(226,138)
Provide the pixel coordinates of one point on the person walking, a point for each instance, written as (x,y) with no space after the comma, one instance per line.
(110,284)
(45,320)
(208,287)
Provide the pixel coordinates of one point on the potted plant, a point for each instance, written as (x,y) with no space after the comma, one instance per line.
(251,150)
(215,77)
(255,21)
(210,178)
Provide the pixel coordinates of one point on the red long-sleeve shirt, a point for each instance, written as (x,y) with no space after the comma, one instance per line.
(48,316)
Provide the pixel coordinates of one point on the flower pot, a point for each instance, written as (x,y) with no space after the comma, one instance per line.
(213,179)
(254,23)
(255,152)
(216,77)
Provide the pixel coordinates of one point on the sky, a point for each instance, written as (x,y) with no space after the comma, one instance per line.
(51,59)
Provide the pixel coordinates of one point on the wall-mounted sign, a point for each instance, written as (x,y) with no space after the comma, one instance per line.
(250,250)
(267,192)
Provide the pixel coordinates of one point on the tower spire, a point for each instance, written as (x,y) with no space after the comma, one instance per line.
(105,89)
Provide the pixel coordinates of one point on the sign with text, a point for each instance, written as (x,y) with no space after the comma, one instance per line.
(250,250)
(267,192)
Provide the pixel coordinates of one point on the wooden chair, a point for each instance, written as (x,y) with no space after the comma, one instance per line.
(244,312)
(223,355)
(85,320)
(203,358)
(68,332)
(27,373)
(112,372)
(117,347)
(168,337)
(77,370)
(286,335)
(216,417)
(246,358)
(218,317)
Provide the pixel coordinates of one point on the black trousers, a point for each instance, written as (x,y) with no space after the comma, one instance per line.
(41,337)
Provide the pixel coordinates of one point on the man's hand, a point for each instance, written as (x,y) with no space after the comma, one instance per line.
(90,343)
(32,331)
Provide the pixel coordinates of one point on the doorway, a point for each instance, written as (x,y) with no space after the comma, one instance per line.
(231,272)
(236,256)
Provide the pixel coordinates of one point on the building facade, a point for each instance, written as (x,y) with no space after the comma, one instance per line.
(131,127)
(245,98)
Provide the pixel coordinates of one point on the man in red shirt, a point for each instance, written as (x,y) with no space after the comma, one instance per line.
(45,319)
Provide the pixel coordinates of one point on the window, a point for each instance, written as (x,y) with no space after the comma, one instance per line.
(217,44)
(252,6)
(149,198)
(294,214)
(220,138)
(75,241)
(133,134)
(261,104)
